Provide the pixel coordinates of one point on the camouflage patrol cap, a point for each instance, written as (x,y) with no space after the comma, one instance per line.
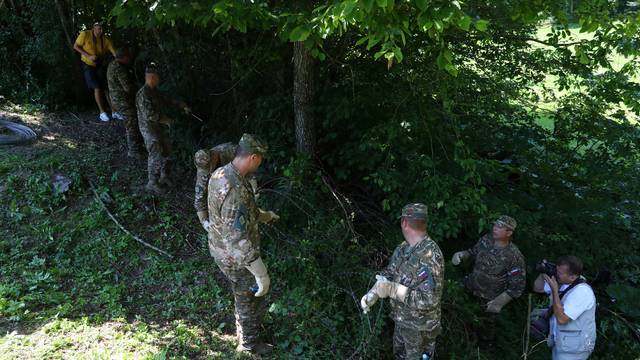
(506,221)
(251,144)
(152,68)
(202,159)
(415,211)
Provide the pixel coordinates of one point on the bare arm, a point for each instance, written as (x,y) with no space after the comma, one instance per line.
(79,49)
(538,284)
(558,309)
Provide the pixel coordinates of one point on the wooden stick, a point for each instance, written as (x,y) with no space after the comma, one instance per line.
(527,329)
(123,228)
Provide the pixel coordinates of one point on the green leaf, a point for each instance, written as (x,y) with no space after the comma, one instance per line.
(447,54)
(398,54)
(362,41)
(382,3)
(464,23)
(451,69)
(584,59)
(438,25)
(300,33)
(422,4)
(481,25)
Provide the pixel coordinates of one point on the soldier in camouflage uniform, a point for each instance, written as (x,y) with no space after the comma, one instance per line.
(234,241)
(498,274)
(150,103)
(414,281)
(207,161)
(123,99)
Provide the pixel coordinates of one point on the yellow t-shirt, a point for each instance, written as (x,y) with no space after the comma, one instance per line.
(99,47)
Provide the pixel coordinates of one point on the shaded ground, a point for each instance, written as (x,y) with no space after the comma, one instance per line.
(72,284)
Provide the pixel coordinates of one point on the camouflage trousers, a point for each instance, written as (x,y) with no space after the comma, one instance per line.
(158,149)
(134,137)
(410,344)
(249,310)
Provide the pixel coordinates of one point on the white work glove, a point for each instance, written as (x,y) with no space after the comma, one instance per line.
(267,216)
(259,271)
(459,257)
(368,300)
(385,288)
(203,216)
(496,305)
(205,225)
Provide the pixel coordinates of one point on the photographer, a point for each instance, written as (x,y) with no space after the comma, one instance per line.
(572,333)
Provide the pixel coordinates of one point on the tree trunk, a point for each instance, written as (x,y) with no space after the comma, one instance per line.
(304,86)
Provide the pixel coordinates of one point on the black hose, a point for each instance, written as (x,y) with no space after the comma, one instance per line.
(21,134)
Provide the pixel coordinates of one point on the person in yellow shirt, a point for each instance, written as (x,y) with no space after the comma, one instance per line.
(93,45)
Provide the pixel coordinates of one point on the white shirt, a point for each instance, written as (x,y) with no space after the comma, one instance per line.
(578,300)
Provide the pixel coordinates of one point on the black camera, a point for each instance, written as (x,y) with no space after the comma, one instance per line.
(546,267)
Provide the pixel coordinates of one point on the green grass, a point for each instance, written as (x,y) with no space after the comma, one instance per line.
(73,285)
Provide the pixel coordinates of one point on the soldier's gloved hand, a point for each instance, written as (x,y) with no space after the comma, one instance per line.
(267,216)
(187,110)
(496,305)
(459,257)
(385,288)
(259,271)
(203,216)
(368,300)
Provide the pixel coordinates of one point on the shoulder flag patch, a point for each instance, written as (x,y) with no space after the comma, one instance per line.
(515,271)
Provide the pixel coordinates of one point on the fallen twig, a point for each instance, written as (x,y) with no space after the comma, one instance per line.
(136,238)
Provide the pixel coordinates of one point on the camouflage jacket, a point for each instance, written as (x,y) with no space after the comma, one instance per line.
(150,104)
(496,270)
(233,215)
(421,269)
(226,153)
(121,86)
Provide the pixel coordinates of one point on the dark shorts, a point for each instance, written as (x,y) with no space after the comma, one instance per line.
(94,77)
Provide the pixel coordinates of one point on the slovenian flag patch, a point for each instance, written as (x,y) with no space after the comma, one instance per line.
(515,271)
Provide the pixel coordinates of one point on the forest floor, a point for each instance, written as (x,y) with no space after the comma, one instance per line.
(71,280)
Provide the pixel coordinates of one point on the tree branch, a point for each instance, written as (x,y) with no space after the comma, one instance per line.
(113,218)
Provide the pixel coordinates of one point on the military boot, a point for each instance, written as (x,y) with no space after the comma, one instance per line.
(260,348)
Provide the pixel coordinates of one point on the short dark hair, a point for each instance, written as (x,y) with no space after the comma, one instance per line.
(573,262)
(416,224)
(242,153)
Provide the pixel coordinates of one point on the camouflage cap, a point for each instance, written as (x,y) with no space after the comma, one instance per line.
(416,211)
(202,159)
(506,221)
(251,144)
